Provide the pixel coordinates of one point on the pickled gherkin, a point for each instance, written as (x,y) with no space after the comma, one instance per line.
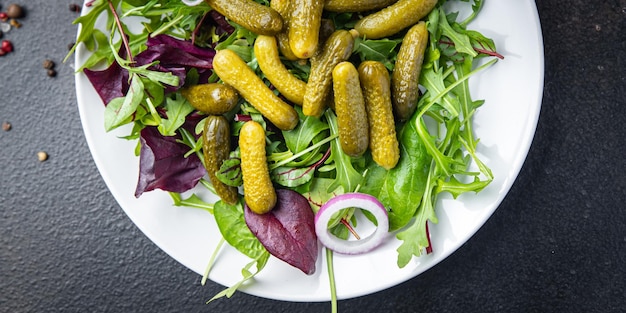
(350,109)
(216,148)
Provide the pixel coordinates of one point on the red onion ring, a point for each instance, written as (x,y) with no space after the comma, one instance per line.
(357,200)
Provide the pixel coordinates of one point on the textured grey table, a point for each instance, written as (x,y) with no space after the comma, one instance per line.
(556,244)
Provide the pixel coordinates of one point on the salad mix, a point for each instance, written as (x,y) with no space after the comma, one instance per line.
(191,84)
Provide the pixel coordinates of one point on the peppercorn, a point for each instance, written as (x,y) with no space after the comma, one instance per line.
(52,73)
(48,64)
(75,7)
(6,126)
(15,11)
(42,156)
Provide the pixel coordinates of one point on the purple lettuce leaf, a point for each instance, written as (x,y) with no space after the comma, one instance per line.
(186,46)
(162,164)
(288,230)
(110,83)
(219,20)
(174,56)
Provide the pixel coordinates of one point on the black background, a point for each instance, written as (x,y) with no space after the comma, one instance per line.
(556,244)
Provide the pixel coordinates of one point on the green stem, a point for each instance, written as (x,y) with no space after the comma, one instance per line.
(207,184)
(459,81)
(331,279)
(212,261)
(118,22)
(165,27)
(476,7)
(301,153)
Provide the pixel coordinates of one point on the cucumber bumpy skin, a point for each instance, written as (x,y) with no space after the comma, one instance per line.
(304,27)
(216,148)
(337,48)
(267,54)
(350,109)
(257,18)
(375,83)
(356,5)
(235,72)
(406,73)
(259,193)
(283,7)
(211,98)
(394,18)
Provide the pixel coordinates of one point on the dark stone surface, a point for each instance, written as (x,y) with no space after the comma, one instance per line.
(556,244)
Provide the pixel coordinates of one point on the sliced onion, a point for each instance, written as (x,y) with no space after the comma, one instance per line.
(351,200)
(192,2)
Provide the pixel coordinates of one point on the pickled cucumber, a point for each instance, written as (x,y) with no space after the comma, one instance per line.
(394,18)
(235,72)
(212,98)
(266,52)
(216,148)
(304,27)
(259,193)
(350,109)
(375,84)
(406,73)
(337,48)
(356,5)
(251,15)
(283,7)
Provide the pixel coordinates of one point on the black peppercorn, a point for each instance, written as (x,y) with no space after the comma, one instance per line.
(74,7)
(48,64)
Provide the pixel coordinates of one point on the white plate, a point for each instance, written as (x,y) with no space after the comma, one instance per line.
(505,124)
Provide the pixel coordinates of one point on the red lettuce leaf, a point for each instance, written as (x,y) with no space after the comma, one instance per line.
(288,230)
(162,164)
(219,20)
(110,83)
(174,56)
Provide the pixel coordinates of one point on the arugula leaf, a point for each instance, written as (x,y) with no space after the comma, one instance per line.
(461,41)
(292,177)
(382,50)
(346,176)
(434,81)
(246,274)
(476,7)
(316,191)
(176,108)
(87,31)
(414,240)
(102,52)
(302,136)
(193,201)
(483,45)
(230,172)
(120,110)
